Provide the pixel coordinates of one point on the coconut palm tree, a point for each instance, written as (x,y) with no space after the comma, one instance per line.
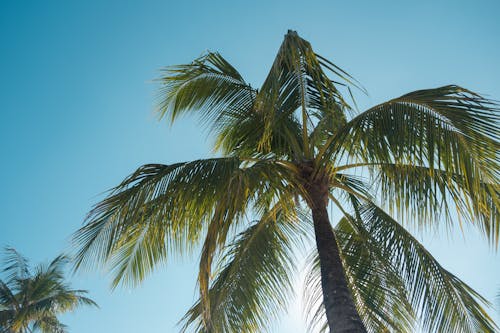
(287,152)
(31,300)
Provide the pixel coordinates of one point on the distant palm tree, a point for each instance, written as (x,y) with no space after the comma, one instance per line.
(31,300)
(289,149)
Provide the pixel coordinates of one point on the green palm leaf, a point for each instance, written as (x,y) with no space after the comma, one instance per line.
(31,299)
(49,324)
(164,209)
(434,128)
(444,140)
(442,302)
(209,84)
(253,281)
(420,189)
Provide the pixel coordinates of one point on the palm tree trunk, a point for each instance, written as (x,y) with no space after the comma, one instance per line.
(340,309)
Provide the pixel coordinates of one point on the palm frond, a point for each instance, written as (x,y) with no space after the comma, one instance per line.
(415,127)
(348,185)
(442,302)
(241,133)
(7,296)
(224,216)
(433,194)
(165,209)
(15,266)
(49,324)
(253,282)
(155,209)
(209,85)
(448,130)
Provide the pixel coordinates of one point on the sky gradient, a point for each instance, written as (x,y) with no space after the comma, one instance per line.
(77,99)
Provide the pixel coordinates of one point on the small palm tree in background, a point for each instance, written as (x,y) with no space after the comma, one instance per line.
(31,300)
(287,151)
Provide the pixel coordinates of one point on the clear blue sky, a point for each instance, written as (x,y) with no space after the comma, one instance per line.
(76,102)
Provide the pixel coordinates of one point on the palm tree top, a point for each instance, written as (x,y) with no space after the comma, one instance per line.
(288,150)
(32,298)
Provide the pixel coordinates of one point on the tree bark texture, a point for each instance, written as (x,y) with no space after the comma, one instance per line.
(341,312)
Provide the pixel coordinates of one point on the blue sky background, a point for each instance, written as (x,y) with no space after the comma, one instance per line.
(76,112)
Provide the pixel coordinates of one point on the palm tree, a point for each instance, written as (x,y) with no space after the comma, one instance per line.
(286,152)
(31,300)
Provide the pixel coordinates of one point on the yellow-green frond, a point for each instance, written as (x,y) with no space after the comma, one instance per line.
(442,302)
(252,285)
(165,209)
